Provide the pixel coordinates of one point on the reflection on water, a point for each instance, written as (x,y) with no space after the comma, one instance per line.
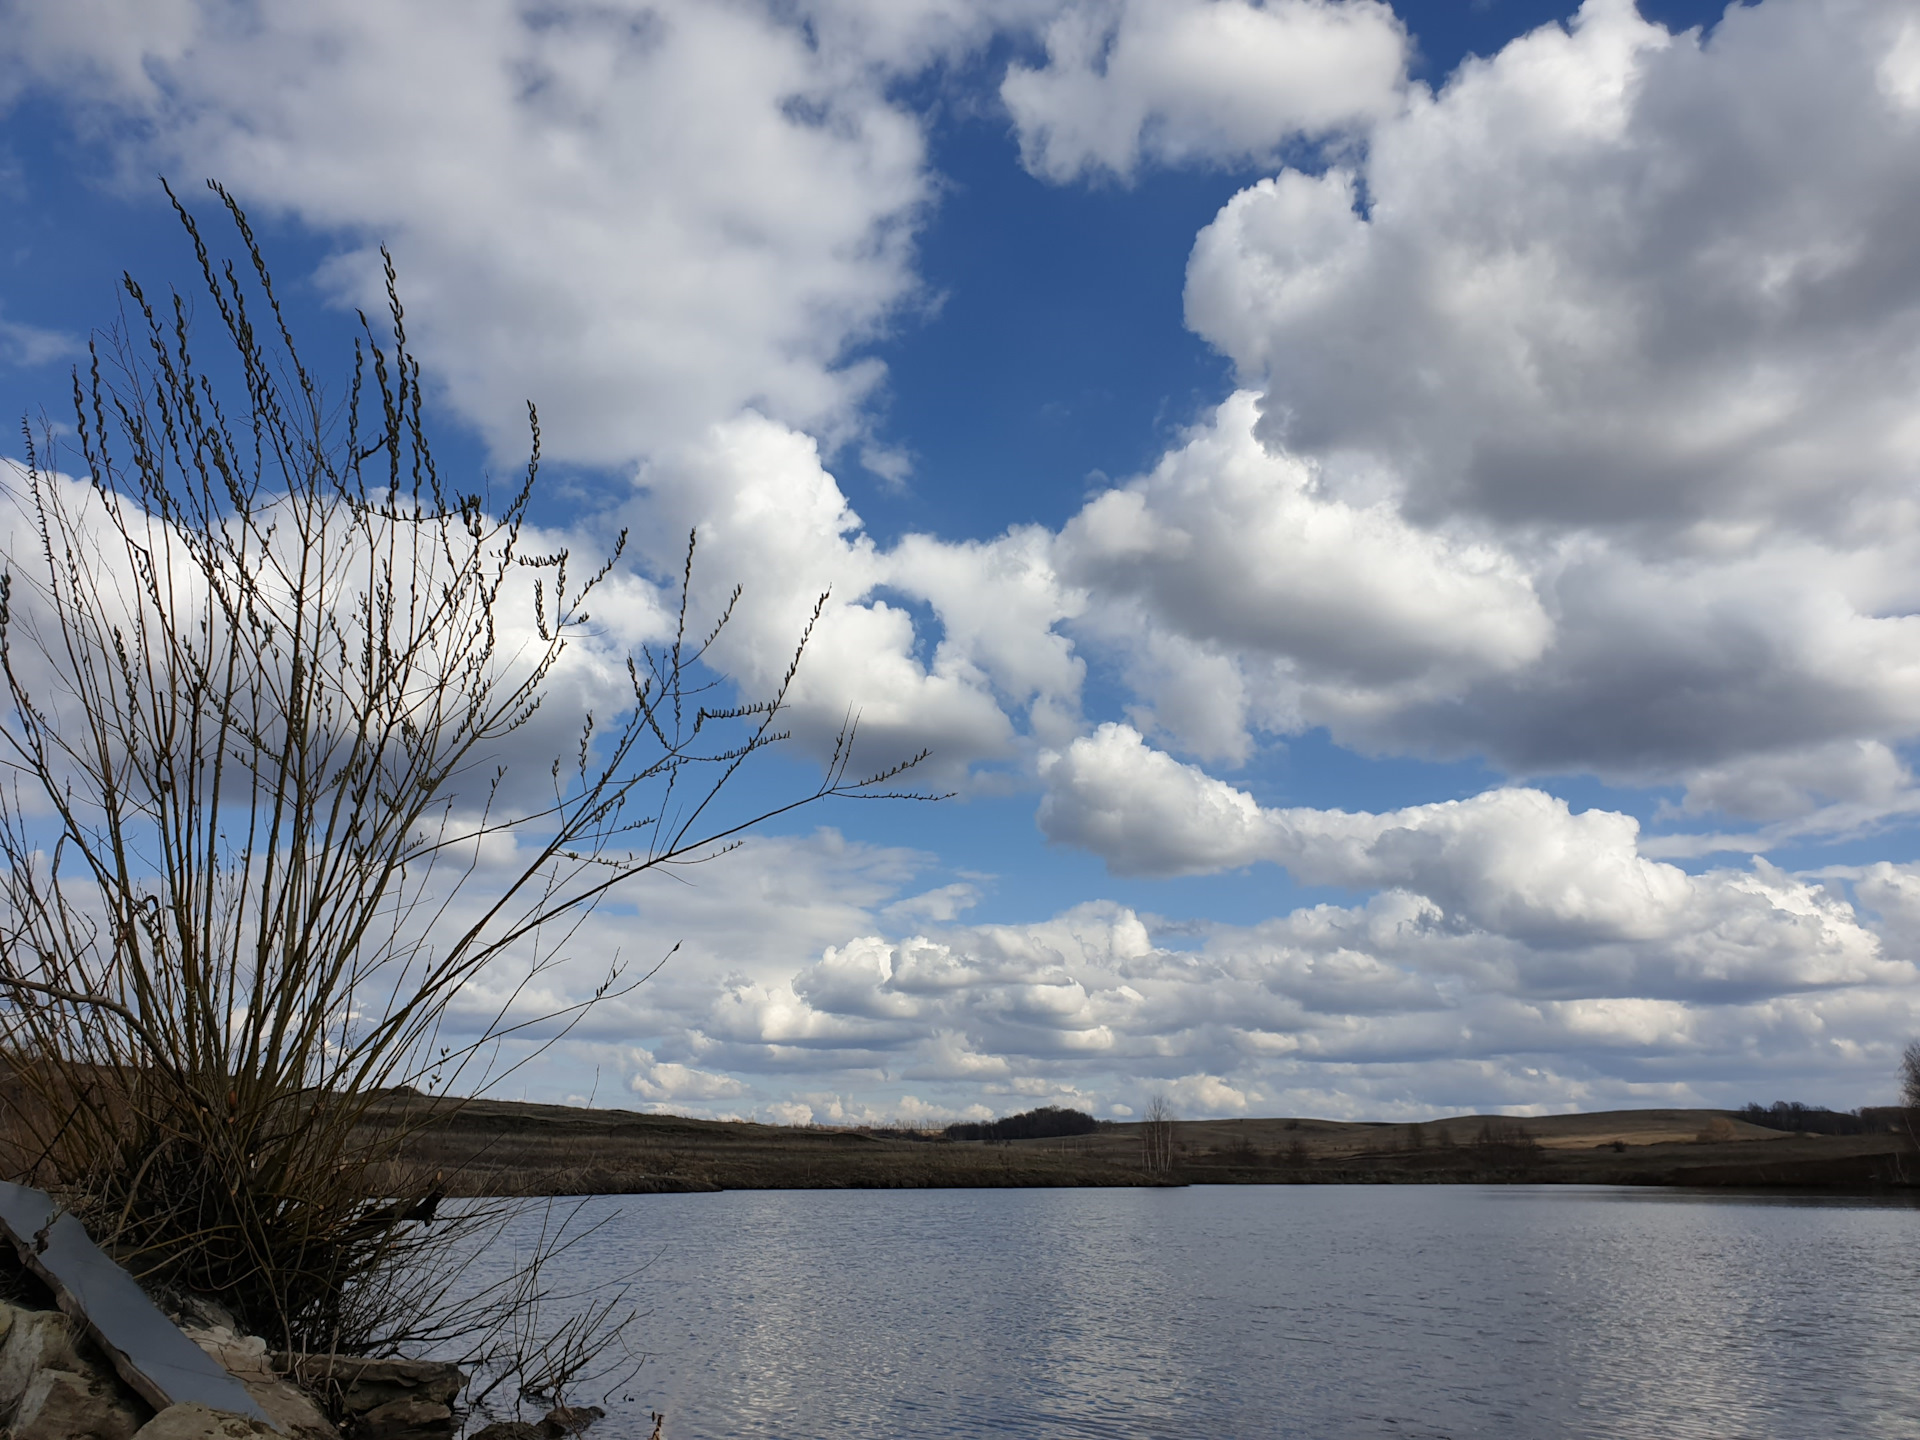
(1325,1312)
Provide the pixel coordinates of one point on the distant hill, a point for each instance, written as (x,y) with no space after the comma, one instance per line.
(491,1147)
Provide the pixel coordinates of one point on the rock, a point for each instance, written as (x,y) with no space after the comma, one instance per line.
(245,1358)
(511,1430)
(36,1340)
(228,1342)
(288,1406)
(572,1419)
(405,1420)
(561,1422)
(368,1384)
(67,1405)
(197,1422)
(54,1385)
(408,1399)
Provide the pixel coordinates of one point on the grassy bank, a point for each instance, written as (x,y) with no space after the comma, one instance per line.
(504,1148)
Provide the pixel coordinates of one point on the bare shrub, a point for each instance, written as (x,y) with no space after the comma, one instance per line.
(260,827)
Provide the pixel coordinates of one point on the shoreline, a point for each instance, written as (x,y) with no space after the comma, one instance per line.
(492,1148)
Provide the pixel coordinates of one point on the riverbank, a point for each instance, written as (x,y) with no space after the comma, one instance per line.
(491,1147)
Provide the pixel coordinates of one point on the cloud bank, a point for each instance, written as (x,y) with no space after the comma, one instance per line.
(1553,987)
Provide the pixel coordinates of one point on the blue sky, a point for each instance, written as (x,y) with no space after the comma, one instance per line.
(1396,524)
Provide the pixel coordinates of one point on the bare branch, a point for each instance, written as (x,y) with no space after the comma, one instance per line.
(269,686)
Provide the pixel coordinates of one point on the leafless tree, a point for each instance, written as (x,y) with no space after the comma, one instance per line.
(1156,1135)
(1907,1120)
(271,683)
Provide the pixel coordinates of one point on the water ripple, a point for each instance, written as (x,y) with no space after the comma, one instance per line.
(1323,1312)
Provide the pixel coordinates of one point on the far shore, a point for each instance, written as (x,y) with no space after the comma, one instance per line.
(505,1148)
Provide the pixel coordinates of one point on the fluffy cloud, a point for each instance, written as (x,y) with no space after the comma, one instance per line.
(1848,788)
(1513,862)
(1173,81)
(1860,772)
(1611,276)
(1577,434)
(1245,556)
(1635,311)
(768,511)
(670,225)
(646,217)
(665,1085)
(1234,543)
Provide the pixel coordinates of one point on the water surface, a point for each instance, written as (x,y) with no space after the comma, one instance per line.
(1323,1312)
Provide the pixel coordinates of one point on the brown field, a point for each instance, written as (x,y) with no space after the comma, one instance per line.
(487,1147)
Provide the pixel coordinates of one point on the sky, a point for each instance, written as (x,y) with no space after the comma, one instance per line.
(1397,525)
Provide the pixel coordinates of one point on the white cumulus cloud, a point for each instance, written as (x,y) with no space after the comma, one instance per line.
(1287,589)
(1514,862)
(1180,81)
(1636,310)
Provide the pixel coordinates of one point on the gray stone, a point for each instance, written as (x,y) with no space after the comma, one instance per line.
(197,1422)
(291,1410)
(560,1422)
(572,1419)
(66,1405)
(36,1340)
(405,1420)
(368,1384)
(161,1364)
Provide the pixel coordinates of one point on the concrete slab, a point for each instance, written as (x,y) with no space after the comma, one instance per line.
(148,1349)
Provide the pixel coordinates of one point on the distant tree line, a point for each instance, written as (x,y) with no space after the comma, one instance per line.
(1819,1120)
(1045,1123)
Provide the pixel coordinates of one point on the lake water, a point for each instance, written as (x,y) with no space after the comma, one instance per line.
(1323,1312)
